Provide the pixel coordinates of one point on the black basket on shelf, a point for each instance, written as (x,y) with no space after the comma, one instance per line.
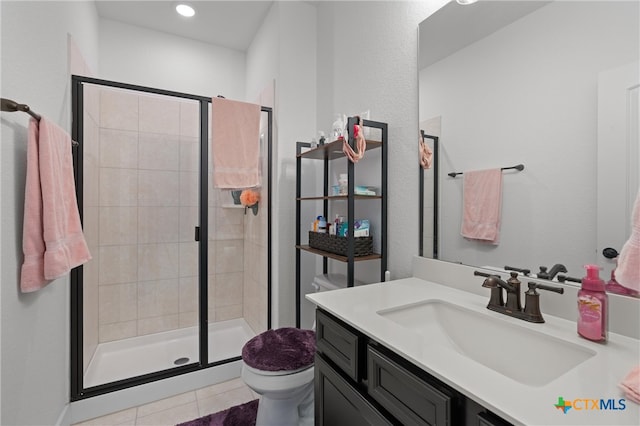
(363,246)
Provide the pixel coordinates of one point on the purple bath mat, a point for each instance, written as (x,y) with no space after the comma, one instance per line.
(238,415)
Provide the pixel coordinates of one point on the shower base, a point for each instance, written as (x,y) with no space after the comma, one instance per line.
(135,356)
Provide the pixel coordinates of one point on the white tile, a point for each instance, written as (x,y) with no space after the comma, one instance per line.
(158,298)
(190,119)
(124,417)
(223,401)
(118,109)
(171,417)
(159,115)
(118,225)
(220,388)
(189,219)
(158,261)
(189,154)
(118,264)
(118,187)
(117,303)
(158,188)
(228,289)
(158,324)
(189,259)
(166,404)
(189,189)
(158,225)
(117,331)
(158,152)
(118,148)
(229,256)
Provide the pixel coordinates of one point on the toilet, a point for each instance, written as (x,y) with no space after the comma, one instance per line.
(278,365)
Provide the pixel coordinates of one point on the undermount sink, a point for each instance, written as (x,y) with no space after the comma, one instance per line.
(522,354)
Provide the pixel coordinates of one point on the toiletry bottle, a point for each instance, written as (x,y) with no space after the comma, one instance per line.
(592,306)
(338,128)
(322,224)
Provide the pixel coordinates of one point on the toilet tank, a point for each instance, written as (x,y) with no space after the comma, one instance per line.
(325,282)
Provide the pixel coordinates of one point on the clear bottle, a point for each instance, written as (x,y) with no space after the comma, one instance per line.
(592,306)
(338,128)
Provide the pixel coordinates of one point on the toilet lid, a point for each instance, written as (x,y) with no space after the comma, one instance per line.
(283,349)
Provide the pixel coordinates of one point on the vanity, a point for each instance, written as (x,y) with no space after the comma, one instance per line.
(421,351)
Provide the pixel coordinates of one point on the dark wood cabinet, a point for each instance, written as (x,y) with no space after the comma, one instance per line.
(359,381)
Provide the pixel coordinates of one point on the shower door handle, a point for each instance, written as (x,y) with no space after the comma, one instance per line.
(197,234)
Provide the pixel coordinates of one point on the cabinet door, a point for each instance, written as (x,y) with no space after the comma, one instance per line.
(338,344)
(407,397)
(337,403)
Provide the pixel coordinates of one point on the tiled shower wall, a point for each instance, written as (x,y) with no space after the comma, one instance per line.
(141,185)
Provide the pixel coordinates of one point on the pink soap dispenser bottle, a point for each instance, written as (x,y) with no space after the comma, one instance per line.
(592,306)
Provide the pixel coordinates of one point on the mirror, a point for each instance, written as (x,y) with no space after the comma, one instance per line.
(504,83)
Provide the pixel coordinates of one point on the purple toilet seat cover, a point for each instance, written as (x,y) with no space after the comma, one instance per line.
(284,349)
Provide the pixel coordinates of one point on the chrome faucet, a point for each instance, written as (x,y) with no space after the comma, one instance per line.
(512,308)
(555,269)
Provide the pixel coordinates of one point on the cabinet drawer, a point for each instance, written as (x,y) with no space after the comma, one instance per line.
(337,403)
(407,397)
(338,344)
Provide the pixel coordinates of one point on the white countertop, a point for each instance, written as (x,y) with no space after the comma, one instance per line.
(596,378)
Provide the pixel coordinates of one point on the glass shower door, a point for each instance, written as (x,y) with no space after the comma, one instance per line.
(141,167)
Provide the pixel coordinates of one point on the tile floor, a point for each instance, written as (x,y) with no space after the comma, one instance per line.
(180,408)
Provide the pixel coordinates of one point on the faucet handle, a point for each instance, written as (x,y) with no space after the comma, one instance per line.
(532,301)
(533,286)
(543,273)
(522,271)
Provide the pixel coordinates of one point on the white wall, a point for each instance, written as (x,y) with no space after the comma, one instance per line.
(531,98)
(367,60)
(144,57)
(284,50)
(35,326)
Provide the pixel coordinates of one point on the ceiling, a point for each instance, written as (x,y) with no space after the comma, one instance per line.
(231,24)
(454,26)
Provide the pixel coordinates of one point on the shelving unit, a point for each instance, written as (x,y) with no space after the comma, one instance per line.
(330,152)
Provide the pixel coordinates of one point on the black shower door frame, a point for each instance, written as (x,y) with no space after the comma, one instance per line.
(78,391)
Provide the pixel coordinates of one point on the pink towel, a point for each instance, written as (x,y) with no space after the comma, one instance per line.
(631,385)
(482,199)
(52,239)
(235,145)
(425,152)
(628,269)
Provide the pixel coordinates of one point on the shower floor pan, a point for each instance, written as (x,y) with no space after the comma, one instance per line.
(135,356)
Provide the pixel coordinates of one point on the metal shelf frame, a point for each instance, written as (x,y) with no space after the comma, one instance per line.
(326,153)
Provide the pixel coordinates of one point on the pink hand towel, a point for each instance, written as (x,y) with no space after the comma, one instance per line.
(631,385)
(426,153)
(628,269)
(235,145)
(52,240)
(482,203)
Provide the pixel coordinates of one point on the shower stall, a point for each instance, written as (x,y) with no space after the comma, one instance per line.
(180,275)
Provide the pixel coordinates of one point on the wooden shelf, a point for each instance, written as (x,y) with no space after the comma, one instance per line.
(333,150)
(341,197)
(337,256)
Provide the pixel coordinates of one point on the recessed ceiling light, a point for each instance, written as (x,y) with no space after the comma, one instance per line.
(466,2)
(185,10)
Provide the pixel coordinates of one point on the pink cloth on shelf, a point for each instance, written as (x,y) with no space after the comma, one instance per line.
(235,146)
(631,385)
(628,269)
(52,238)
(482,203)
(426,153)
